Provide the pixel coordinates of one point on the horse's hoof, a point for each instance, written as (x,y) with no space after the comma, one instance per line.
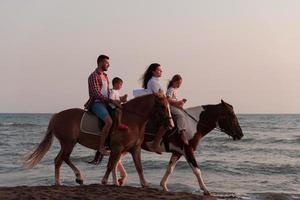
(207,193)
(104,182)
(93,162)
(146,185)
(79,181)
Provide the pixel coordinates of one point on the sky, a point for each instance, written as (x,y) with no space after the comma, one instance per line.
(244,52)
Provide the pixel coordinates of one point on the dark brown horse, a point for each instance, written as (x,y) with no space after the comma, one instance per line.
(200,121)
(65,126)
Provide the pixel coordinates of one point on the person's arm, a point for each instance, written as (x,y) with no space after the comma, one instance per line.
(123,98)
(178,104)
(173,102)
(95,89)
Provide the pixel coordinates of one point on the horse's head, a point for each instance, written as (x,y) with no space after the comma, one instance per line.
(162,110)
(228,121)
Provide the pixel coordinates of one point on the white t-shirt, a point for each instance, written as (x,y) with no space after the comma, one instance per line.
(114,94)
(171,93)
(104,90)
(153,85)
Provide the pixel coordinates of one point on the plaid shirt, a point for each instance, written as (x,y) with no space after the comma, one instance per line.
(95,86)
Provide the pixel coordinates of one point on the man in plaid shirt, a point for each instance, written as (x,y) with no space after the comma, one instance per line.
(99,98)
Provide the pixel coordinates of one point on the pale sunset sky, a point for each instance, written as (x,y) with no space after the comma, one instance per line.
(246,52)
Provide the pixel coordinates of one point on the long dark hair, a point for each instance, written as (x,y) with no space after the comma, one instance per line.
(175,78)
(148,74)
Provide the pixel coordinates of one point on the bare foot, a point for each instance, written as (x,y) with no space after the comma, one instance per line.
(155,149)
(164,187)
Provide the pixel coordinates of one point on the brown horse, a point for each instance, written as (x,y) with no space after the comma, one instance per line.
(66,128)
(200,121)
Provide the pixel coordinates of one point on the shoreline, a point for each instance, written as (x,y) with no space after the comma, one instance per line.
(111,192)
(94,191)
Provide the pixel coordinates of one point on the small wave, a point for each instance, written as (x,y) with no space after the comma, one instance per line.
(282,196)
(268,169)
(13,124)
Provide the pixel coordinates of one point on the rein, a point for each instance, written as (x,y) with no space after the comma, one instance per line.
(193,118)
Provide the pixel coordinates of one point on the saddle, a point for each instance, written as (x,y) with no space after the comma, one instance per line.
(91,124)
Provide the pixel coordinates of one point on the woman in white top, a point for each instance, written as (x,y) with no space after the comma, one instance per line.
(151,83)
(151,78)
(177,105)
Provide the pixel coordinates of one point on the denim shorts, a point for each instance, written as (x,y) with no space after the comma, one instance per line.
(100,110)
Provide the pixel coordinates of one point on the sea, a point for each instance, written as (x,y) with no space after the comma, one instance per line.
(265,161)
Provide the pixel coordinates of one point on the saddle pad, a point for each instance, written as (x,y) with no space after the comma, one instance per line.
(90,124)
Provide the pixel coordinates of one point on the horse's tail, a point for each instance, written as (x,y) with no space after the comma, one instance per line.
(34,157)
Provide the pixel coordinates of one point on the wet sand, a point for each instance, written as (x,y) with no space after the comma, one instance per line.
(93,192)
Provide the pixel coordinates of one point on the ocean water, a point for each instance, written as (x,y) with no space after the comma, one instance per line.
(266,160)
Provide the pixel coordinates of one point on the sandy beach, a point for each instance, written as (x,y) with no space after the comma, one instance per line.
(93,191)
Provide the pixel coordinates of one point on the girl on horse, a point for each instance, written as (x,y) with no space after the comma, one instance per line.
(177,106)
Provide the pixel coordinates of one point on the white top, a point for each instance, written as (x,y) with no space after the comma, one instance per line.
(139,92)
(171,93)
(104,90)
(114,95)
(153,85)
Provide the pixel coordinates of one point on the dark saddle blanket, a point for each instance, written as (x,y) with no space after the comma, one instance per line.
(153,126)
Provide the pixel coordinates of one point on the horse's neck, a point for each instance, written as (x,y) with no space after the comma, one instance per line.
(207,122)
(139,109)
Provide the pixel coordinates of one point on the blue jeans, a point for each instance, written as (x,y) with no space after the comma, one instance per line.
(100,110)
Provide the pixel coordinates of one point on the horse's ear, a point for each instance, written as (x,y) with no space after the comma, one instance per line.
(223,102)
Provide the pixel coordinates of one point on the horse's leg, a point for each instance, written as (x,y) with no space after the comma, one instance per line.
(112,162)
(79,178)
(119,168)
(122,171)
(190,157)
(58,162)
(136,155)
(115,175)
(67,153)
(173,160)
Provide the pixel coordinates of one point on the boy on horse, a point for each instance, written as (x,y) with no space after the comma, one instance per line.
(99,98)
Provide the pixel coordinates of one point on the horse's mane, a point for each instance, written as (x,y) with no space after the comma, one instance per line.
(137,99)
